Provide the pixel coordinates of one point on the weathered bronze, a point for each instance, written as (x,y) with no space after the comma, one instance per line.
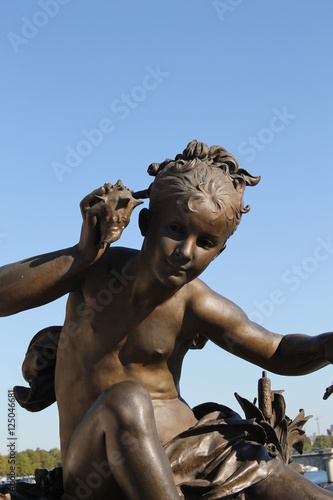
(113,210)
(131,317)
(328,392)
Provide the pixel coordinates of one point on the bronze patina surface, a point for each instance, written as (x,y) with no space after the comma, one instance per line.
(131,317)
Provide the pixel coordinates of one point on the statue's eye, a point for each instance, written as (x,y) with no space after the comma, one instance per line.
(205,243)
(175,227)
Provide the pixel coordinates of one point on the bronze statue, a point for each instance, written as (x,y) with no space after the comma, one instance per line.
(132,316)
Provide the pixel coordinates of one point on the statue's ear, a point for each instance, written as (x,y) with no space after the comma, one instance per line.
(144,220)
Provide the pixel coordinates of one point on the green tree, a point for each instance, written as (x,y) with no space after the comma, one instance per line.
(3,465)
(307,445)
(27,461)
(55,452)
(22,465)
(323,441)
(46,460)
(33,460)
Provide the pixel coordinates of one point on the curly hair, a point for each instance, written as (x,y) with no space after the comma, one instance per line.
(201,173)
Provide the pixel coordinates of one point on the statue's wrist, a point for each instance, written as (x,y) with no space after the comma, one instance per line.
(82,258)
(328,347)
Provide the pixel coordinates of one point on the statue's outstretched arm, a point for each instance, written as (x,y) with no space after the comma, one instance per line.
(227,325)
(299,354)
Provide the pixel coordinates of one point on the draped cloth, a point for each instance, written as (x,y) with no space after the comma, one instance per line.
(221,456)
(38,370)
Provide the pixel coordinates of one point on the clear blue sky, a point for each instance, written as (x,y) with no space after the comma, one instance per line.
(253,76)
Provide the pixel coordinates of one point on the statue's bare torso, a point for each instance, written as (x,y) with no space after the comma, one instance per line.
(131,317)
(115,340)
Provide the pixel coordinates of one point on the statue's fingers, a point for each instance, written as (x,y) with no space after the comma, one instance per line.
(91,217)
(95,213)
(328,392)
(108,187)
(90,200)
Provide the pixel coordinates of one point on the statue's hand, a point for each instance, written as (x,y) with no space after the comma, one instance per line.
(113,211)
(106,212)
(329,348)
(329,357)
(90,231)
(328,392)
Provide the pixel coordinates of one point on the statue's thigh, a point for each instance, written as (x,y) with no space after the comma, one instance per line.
(86,470)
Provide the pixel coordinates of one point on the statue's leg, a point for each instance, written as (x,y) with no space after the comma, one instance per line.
(285,483)
(115,450)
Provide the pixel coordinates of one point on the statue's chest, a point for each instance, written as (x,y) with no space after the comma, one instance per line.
(139,334)
(150,342)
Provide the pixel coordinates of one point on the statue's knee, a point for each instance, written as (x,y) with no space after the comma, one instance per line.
(128,392)
(129,402)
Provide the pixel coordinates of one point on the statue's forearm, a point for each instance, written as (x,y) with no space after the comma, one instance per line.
(301,354)
(38,280)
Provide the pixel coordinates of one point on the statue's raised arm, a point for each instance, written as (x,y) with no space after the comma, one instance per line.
(41,279)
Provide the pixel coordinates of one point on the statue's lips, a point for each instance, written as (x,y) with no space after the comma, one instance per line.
(115,229)
(175,269)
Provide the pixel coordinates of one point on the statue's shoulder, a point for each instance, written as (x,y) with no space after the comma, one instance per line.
(118,256)
(198,287)
(114,259)
(114,256)
(202,298)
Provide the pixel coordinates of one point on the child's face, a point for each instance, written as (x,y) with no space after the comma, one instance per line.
(181,243)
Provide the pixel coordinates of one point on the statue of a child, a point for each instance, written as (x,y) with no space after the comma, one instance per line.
(132,316)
